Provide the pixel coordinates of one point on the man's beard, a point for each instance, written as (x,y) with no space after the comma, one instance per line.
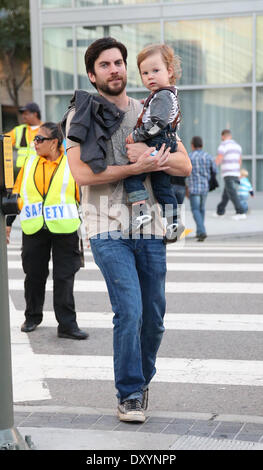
(105,88)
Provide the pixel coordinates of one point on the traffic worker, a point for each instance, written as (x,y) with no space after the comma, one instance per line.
(50,221)
(22,136)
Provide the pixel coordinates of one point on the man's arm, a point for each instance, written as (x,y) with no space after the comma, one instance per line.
(219,159)
(178,163)
(145,163)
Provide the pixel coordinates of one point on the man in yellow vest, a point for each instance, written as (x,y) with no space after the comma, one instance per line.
(22,136)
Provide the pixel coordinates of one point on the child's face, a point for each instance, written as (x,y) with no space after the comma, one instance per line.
(154,72)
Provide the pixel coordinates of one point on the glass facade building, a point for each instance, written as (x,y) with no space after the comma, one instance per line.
(221,48)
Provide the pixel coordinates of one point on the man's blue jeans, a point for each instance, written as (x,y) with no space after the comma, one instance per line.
(230,193)
(197,202)
(134,271)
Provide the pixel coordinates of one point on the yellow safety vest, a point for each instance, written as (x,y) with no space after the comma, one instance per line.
(58,210)
(23,152)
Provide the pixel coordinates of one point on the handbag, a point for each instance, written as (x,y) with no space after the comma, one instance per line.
(213,183)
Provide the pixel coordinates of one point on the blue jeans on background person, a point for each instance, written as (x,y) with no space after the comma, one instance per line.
(197,202)
(244,203)
(134,271)
(230,193)
(179,192)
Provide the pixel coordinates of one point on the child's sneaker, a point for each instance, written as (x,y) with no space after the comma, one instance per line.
(173,233)
(140,217)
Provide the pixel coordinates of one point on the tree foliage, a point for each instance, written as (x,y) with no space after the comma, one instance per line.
(15,45)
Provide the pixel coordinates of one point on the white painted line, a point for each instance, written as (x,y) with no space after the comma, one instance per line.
(238,267)
(172,321)
(170,287)
(182,370)
(28,376)
(214,255)
(217,248)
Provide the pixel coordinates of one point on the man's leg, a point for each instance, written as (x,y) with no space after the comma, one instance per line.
(223,203)
(116,260)
(195,202)
(35,259)
(231,187)
(151,267)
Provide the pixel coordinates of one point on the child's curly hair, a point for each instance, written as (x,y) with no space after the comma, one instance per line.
(168,56)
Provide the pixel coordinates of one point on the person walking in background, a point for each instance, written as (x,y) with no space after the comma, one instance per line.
(49,221)
(229,156)
(244,189)
(198,184)
(22,136)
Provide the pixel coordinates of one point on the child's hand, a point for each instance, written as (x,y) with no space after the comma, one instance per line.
(129,139)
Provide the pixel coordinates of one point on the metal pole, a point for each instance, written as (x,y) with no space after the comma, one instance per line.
(10,439)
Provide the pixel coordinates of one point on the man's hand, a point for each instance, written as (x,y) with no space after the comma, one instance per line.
(134,151)
(145,162)
(129,139)
(7,233)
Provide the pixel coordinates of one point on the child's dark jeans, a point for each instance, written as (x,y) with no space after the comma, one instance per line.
(160,180)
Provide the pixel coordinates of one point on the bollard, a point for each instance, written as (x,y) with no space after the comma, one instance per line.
(10,438)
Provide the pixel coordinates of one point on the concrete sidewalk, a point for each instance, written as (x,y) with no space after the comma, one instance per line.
(217,227)
(65,428)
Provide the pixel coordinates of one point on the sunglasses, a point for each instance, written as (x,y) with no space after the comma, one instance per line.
(39,139)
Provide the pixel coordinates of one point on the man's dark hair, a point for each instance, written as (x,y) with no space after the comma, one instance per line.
(97,47)
(197,142)
(226,132)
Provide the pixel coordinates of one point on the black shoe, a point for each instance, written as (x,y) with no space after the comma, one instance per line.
(29,326)
(201,237)
(73,334)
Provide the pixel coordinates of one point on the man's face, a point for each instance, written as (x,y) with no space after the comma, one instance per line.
(110,73)
(28,117)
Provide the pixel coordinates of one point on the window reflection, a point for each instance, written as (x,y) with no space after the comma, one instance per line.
(259,53)
(56,106)
(259,175)
(58,58)
(213,51)
(208,112)
(90,3)
(260,121)
(56,3)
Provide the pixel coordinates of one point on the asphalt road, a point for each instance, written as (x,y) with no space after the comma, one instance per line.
(211,357)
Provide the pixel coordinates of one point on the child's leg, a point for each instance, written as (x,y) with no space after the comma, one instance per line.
(137,195)
(135,189)
(162,190)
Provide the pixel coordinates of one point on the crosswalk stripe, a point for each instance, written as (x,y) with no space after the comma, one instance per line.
(170,287)
(28,383)
(216,248)
(177,370)
(172,321)
(91,266)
